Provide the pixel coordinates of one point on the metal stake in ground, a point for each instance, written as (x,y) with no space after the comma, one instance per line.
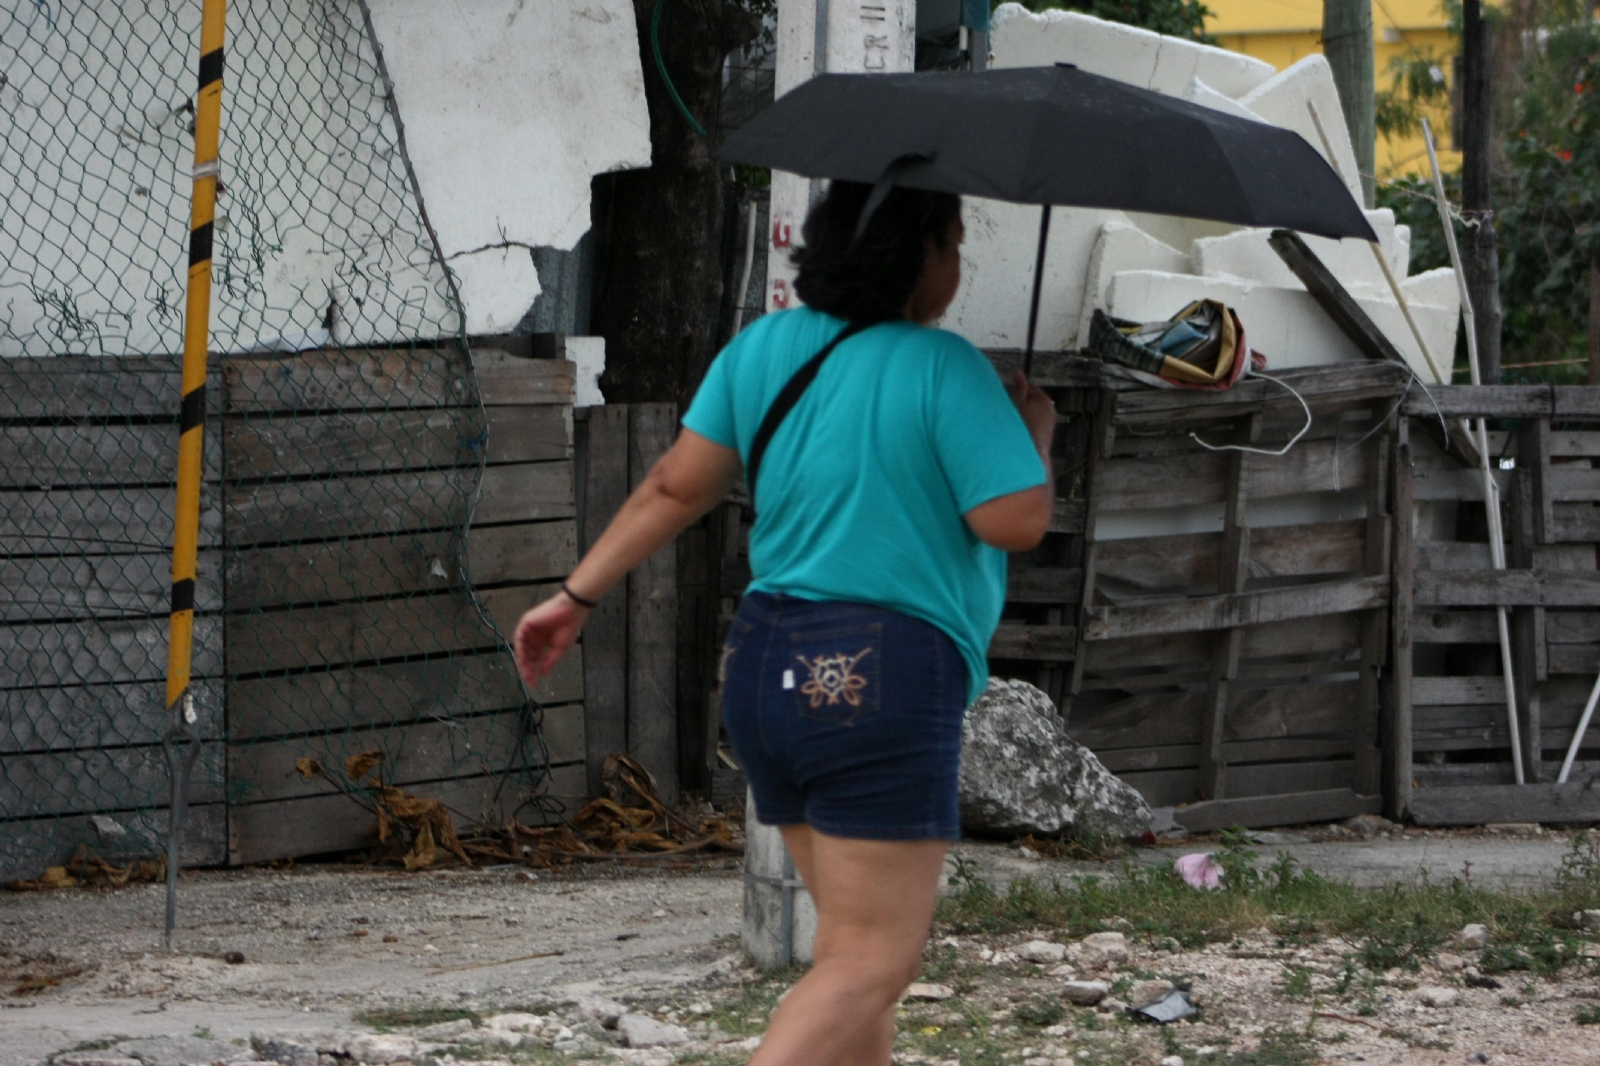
(191,431)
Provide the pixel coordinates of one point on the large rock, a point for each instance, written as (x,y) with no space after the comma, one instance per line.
(1021,773)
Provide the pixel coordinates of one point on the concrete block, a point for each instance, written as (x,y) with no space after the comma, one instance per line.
(589,355)
(1284,324)
(1121,247)
(1198,92)
(1248,254)
(1282,100)
(991,308)
(1021,38)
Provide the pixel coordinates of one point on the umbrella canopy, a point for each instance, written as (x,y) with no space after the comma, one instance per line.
(1051,135)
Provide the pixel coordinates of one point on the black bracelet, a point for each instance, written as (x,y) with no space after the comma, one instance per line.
(577,599)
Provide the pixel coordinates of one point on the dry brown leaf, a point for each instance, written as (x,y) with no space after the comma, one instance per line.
(422,850)
(308,767)
(358,766)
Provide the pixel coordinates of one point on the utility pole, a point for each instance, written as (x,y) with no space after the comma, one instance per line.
(1347,44)
(1482,253)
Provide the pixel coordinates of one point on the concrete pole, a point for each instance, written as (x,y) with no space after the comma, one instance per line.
(1347,42)
(1481,254)
(872,36)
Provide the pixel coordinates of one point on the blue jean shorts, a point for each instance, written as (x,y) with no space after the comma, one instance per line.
(846,717)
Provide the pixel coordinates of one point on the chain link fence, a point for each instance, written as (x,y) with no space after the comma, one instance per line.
(345,447)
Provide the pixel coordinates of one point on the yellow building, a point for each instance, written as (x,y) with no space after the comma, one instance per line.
(1284,31)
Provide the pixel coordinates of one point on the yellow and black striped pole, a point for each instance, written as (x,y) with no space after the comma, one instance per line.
(196,332)
(191,430)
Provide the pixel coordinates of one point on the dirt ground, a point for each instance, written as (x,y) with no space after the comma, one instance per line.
(330,953)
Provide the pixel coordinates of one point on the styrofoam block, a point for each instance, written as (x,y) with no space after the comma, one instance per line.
(1248,254)
(1286,325)
(1400,256)
(1282,101)
(1021,38)
(1198,92)
(991,307)
(1435,288)
(1177,231)
(588,354)
(497,287)
(1435,302)
(1121,247)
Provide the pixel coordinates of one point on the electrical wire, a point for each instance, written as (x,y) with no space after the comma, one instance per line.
(1263,451)
(661,67)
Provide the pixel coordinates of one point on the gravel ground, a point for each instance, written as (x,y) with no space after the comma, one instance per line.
(324,947)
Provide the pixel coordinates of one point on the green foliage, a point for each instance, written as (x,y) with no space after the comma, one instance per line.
(416,1016)
(1176,18)
(1039,1013)
(1402,943)
(1297,983)
(1587,1015)
(1416,83)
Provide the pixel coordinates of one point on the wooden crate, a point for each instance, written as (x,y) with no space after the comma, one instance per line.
(1457,758)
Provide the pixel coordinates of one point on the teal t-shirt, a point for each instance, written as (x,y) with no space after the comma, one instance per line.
(864,484)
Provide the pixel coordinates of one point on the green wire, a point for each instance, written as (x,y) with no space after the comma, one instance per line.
(661,65)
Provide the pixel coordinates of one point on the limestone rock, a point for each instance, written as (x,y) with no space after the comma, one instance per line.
(1589,920)
(95,1058)
(444,1031)
(491,1038)
(375,1050)
(1146,992)
(1438,997)
(1449,963)
(1100,950)
(1084,993)
(1043,952)
(604,1011)
(932,993)
(640,1030)
(1021,773)
(282,1050)
(515,1022)
(1472,937)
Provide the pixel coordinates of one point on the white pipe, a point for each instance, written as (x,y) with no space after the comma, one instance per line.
(1491,491)
(1383,260)
(1577,737)
(744,277)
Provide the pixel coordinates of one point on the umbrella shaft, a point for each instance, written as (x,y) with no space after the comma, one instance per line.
(1038,283)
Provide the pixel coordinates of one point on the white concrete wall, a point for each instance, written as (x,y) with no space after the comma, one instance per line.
(510,107)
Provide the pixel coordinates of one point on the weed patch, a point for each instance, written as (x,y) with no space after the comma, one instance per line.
(412,1017)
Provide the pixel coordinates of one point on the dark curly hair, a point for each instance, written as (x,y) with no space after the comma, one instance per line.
(869,280)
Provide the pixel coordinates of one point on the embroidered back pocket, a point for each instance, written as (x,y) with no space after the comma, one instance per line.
(834,673)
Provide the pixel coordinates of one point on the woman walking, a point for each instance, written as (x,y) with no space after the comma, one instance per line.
(888,481)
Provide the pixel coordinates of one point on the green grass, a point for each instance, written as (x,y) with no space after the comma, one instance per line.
(1587,1015)
(1396,927)
(414,1017)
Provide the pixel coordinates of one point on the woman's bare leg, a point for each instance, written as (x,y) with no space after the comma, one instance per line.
(874,900)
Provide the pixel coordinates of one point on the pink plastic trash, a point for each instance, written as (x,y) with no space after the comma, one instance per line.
(1199,870)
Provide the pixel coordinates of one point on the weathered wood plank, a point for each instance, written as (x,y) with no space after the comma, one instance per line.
(652,619)
(1574,658)
(1462,555)
(1458,484)
(75,386)
(1282,711)
(1433,691)
(1513,588)
(335,379)
(1067,516)
(1246,608)
(1397,724)
(1326,635)
(1572,627)
(1436,775)
(28,847)
(99,520)
(1166,788)
(36,784)
(1344,385)
(1293,808)
(422,751)
(1575,801)
(1505,401)
(59,588)
(278,445)
(100,651)
(362,505)
(605,635)
(509,379)
(1051,370)
(1164,757)
(388,565)
(62,456)
(1044,584)
(100,716)
(1575,522)
(1041,642)
(263,832)
(1188,563)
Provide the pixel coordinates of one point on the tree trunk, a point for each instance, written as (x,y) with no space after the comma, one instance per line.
(1481,258)
(1347,42)
(659,294)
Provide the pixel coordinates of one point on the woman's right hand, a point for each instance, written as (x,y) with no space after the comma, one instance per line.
(544,635)
(1037,409)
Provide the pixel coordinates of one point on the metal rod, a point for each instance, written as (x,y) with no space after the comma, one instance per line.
(1491,491)
(1577,736)
(1038,284)
(749,260)
(191,431)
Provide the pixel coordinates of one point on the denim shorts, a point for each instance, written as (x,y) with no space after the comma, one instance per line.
(846,717)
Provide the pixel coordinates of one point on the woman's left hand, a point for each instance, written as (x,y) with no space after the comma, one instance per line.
(544,635)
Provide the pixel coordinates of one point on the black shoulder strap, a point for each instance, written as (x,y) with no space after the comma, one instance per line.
(793,389)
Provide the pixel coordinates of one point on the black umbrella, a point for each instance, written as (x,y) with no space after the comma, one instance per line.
(1050,135)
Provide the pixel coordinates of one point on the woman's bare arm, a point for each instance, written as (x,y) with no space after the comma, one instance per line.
(685,484)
